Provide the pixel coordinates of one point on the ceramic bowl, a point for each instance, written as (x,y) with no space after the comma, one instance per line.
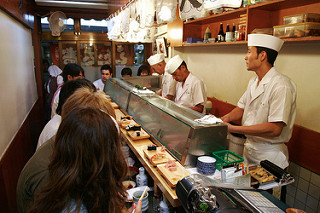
(206,165)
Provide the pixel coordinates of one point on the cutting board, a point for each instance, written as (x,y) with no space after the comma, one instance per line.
(143,135)
(155,162)
(172,177)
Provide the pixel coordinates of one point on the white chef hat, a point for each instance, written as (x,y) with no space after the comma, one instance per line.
(54,70)
(263,40)
(154,59)
(173,64)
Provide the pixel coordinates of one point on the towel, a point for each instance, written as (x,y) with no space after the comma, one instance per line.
(209,119)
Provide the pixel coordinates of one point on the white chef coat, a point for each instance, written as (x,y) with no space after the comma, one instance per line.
(192,93)
(49,130)
(99,84)
(168,85)
(273,100)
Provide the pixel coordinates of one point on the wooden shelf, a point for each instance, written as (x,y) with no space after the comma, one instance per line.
(213,18)
(260,15)
(302,39)
(286,40)
(214,44)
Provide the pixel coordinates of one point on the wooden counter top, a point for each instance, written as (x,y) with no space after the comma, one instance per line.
(137,148)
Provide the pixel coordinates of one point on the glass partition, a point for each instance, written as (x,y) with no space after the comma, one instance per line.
(170,124)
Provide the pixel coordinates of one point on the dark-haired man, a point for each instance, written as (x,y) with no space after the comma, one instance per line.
(71,71)
(268,106)
(106,73)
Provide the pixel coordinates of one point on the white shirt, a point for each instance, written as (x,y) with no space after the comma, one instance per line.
(273,100)
(99,84)
(192,93)
(55,102)
(49,130)
(168,85)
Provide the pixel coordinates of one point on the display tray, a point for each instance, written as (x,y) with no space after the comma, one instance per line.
(143,135)
(261,176)
(156,161)
(172,177)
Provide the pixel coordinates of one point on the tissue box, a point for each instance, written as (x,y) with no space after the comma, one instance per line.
(193,40)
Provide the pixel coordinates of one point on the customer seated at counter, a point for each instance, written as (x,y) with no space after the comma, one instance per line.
(70,72)
(168,84)
(106,73)
(87,166)
(143,70)
(126,72)
(67,90)
(35,172)
(191,91)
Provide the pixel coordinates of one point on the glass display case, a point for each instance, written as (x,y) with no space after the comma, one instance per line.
(168,123)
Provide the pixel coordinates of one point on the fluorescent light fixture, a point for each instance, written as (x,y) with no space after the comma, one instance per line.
(74,4)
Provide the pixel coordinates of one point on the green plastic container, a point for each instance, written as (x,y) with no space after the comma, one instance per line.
(226,157)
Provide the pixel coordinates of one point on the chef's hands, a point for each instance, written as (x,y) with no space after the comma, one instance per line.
(136,207)
(225,118)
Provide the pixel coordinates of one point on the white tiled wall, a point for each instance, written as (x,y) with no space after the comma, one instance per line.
(304,193)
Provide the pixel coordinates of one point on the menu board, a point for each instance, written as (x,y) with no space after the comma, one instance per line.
(69,53)
(103,54)
(87,54)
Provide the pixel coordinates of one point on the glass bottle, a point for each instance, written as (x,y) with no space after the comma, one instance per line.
(233,32)
(156,202)
(221,33)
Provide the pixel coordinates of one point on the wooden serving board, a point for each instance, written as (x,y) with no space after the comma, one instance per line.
(155,162)
(114,105)
(126,123)
(143,135)
(172,177)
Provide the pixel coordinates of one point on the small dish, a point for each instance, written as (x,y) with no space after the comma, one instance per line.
(129,184)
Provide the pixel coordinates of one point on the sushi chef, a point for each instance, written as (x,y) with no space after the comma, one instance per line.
(268,106)
(191,91)
(168,84)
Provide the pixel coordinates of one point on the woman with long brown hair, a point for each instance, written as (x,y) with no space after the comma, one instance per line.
(87,166)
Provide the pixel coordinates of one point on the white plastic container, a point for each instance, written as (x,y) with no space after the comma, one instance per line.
(236,144)
(142,179)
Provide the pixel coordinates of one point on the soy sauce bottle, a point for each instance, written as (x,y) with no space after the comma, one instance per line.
(221,34)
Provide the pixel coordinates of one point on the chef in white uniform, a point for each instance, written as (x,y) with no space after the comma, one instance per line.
(191,92)
(106,73)
(268,107)
(168,84)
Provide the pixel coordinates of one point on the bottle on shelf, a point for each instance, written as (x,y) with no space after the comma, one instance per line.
(142,179)
(228,37)
(207,34)
(233,32)
(221,35)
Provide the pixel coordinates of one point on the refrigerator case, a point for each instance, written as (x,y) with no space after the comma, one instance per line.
(168,123)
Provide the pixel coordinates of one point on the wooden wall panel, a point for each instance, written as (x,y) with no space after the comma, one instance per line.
(18,153)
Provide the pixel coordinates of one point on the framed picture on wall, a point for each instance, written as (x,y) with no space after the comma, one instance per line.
(161,46)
